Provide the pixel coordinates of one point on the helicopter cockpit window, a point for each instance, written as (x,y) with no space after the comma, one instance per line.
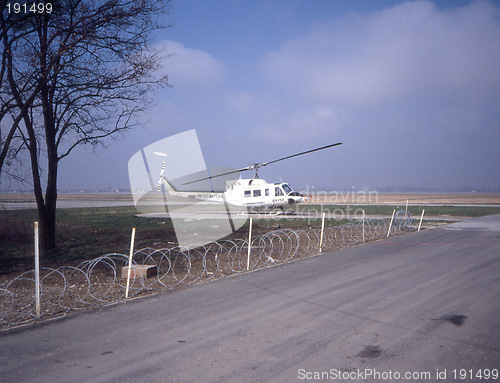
(267,192)
(248,193)
(278,192)
(257,193)
(287,189)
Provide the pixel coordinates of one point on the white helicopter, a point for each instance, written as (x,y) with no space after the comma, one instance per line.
(254,193)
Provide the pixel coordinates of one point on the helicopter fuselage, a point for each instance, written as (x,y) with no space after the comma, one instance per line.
(253,193)
(257,193)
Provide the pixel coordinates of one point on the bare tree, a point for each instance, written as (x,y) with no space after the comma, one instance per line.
(77,75)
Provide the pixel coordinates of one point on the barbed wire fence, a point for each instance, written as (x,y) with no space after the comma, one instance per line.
(99,281)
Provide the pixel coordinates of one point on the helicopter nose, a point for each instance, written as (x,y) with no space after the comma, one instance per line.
(298,198)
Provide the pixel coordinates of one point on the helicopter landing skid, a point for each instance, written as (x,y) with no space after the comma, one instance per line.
(270,213)
(273,213)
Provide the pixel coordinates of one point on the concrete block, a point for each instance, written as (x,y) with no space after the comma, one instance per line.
(140,271)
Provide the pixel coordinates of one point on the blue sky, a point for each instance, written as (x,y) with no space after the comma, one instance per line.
(412,89)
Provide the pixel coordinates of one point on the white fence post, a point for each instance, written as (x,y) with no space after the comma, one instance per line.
(130,261)
(249,243)
(322,230)
(363,226)
(37,272)
(390,225)
(421,218)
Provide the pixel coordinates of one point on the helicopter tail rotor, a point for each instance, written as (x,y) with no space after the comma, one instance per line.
(162,171)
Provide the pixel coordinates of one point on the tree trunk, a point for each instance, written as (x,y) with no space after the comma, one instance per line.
(37,185)
(50,203)
(46,96)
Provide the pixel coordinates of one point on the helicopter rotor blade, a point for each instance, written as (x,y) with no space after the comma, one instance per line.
(219,175)
(257,165)
(299,154)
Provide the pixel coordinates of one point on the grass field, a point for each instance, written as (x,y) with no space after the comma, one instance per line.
(82,233)
(86,233)
(430,210)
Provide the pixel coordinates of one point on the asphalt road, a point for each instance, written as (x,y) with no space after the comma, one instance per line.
(421,307)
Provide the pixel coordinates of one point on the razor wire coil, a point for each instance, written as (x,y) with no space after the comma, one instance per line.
(99,281)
